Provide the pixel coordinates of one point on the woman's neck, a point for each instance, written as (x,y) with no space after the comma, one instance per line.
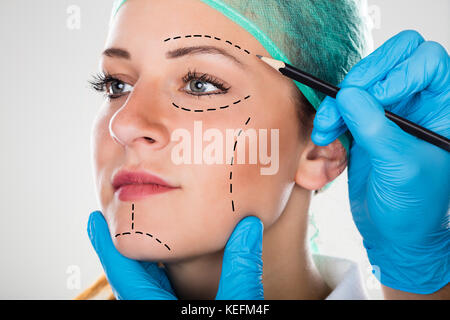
(288,270)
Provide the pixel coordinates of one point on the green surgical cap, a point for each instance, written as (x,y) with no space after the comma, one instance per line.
(322,37)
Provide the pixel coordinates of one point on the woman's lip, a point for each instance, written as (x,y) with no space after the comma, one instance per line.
(133,192)
(125,177)
(134,185)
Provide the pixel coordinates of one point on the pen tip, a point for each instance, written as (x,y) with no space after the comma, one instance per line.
(259,56)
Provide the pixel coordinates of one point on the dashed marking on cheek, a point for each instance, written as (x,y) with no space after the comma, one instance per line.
(231,163)
(139,232)
(207,109)
(238,47)
(228,42)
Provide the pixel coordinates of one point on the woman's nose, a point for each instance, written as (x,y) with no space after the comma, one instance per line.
(138,124)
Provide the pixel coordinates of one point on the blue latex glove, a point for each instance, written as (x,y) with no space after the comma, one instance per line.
(399,186)
(241,277)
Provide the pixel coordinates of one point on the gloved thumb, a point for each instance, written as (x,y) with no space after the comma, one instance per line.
(100,237)
(129,279)
(242,267)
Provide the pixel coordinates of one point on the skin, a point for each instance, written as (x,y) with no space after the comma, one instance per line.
(133,132)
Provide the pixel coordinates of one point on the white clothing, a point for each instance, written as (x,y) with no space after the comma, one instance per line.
(342,276)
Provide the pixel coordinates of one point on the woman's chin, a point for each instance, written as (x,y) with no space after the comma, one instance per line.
(142,247)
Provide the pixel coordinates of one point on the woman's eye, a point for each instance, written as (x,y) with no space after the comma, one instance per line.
(117,87)
(197,86)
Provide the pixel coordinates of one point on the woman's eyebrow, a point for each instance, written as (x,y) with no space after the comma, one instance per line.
(117,53)
(203,50)
(124,54)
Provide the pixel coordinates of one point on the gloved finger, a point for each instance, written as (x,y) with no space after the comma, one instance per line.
(435,118)
(427,68)
(241,277)
(159,275)
(324,138)
(375,66)
(128,278)
(366,120)
(328,123)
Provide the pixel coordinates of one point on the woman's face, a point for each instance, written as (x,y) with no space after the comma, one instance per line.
(156,90)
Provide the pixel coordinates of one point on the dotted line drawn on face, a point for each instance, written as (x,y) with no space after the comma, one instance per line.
(139,232)
(217,39)
(209,109)
(208,37)
(231,163)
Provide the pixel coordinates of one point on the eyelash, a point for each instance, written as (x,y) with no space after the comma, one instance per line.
(101,81)
(193,75)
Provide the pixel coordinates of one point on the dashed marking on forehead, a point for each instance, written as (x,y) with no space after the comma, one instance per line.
(228,42)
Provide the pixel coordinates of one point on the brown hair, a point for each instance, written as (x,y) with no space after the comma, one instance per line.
(305,112)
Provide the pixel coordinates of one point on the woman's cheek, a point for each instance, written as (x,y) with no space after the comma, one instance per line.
(106,155)
(263,196)
(194,221)
(199,220)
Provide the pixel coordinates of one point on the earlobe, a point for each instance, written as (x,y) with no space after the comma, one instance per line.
(319,165)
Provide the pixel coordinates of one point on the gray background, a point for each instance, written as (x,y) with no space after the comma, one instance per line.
(46,113)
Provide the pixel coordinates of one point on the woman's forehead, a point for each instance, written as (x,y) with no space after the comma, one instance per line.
(171,17)
(140,21)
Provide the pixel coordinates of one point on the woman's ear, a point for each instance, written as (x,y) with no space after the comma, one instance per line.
(319,165)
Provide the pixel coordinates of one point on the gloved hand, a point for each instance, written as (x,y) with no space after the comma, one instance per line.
(399,186)
(241,277)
